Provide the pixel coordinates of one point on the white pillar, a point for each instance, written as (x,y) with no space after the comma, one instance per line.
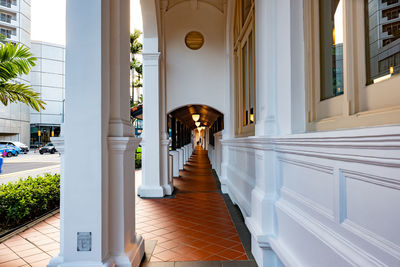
(218,153)
(97,191)
(126,248)
(269,20)
(229,129)
(59,144)
(183,155)
(165,181)
(151,179)
(175,163)
(180,156)
(187,152)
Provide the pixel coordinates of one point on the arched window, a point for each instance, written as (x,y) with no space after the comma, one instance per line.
(244,51)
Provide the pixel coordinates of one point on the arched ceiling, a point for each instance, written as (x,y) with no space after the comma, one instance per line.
(219,4)
(208,115)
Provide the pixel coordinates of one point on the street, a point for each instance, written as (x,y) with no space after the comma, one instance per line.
(31,164)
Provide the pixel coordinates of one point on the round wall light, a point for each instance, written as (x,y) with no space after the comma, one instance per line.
(194,40)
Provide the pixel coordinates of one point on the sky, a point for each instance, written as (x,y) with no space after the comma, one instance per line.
(48,20)
(339,23)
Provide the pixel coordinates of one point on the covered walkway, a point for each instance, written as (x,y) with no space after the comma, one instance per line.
(192,225)
(195,224)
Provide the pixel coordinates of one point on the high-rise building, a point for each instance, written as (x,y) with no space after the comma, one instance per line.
(47,78)
(18,122)
(384,38)
(15,24)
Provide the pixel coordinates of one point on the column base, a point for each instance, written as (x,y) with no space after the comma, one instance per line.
(168,189)
(224,184)
(56,261)
(151,191)
(132,257)
(264,255)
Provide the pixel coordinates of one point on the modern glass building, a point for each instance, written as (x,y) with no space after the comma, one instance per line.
(15,24)
(48,78)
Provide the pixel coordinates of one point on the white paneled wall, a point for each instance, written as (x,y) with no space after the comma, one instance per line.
(337,195)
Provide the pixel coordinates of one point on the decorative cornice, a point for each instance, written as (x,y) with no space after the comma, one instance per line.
(377,146)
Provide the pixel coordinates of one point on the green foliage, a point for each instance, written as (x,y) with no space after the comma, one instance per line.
(136,46)
(137,66)
(16,60)
(138,158)
(136,49)
(3,38)
(24,200)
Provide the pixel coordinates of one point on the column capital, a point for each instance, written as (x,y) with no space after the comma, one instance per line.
(151,59)
(165,142)
(123,143)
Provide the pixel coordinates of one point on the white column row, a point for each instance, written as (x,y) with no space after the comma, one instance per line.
(180,158)
(175,163)
(98,191)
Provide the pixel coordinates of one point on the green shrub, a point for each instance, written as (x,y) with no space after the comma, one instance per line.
(138,159)
(24,200)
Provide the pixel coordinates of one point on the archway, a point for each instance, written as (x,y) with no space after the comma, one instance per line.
(189,126)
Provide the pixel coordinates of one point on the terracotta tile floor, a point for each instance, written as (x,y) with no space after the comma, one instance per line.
(193,226)
(33,247)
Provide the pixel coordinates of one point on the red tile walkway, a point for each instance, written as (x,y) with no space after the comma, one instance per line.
(33,247)
(193,226)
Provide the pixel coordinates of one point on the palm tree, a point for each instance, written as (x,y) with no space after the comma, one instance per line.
(136,48)
(16,60)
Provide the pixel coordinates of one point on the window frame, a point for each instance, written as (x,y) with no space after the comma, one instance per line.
(360,105)
(241,39)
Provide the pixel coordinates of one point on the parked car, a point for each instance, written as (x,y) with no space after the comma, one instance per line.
(24,148)
(10,150)
(48,148)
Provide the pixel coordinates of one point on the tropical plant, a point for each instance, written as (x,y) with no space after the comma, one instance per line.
(16,60)
(136,48)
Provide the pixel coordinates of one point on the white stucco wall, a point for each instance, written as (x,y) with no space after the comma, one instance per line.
(195,76)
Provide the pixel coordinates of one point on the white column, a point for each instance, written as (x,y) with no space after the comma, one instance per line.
(165,181)
(187,152)
(180,156)
(218,154)
(97,191)
(126,248)
(261,223)
(59,144)
(183,155)
(175,163)
(151,179)
(228,132)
